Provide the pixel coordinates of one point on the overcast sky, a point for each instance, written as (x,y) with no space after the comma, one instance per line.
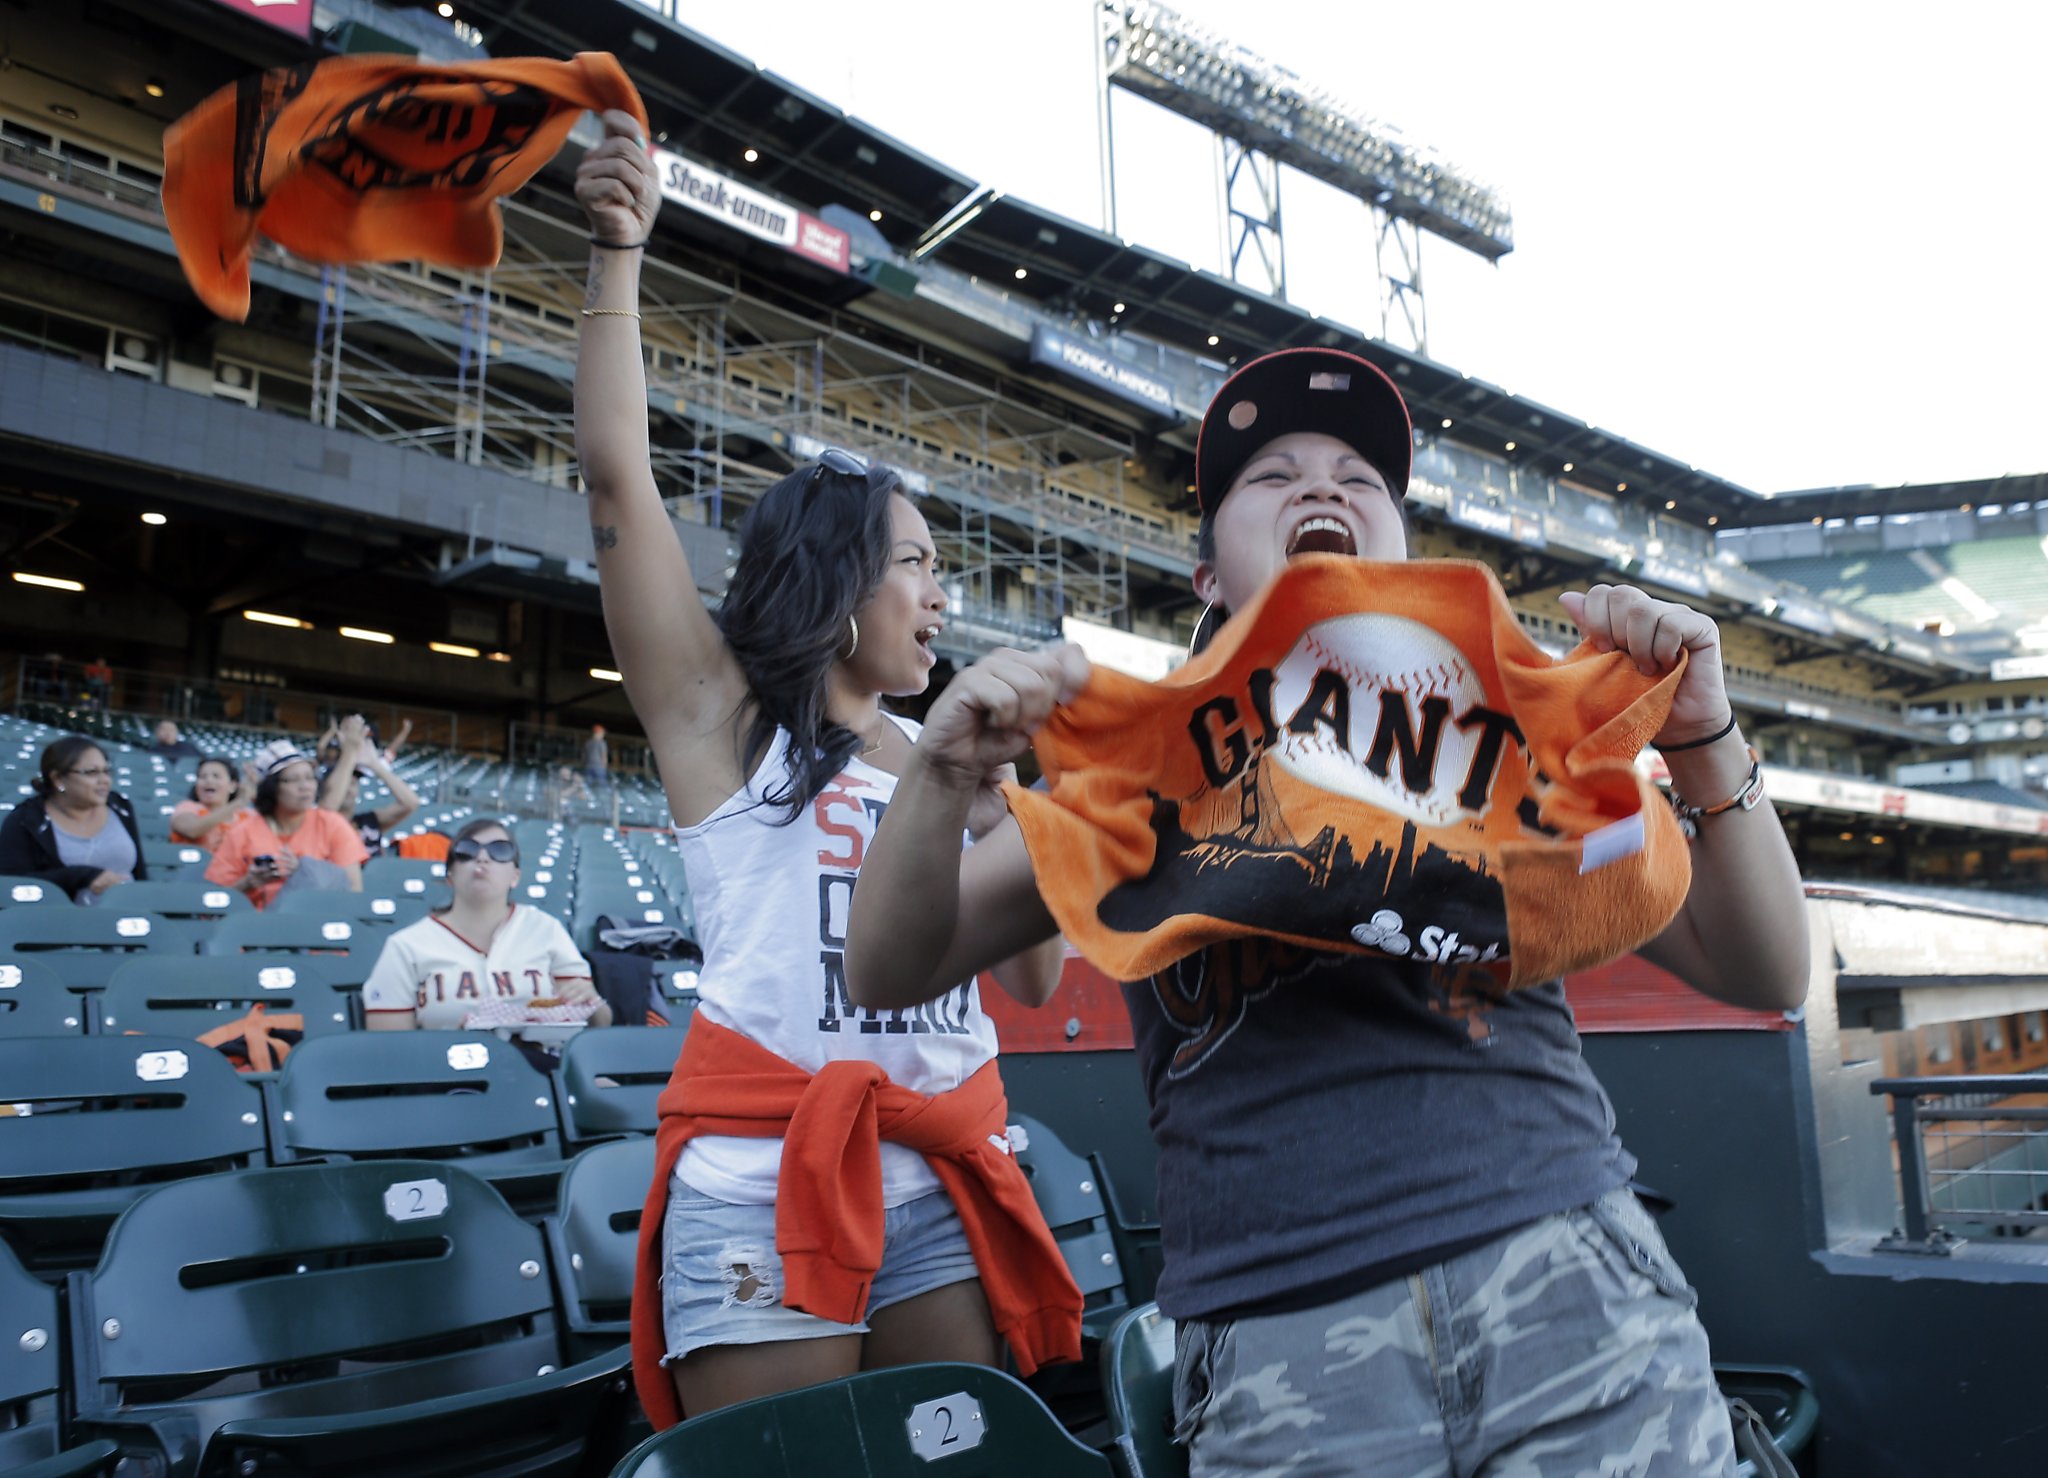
(1795,244)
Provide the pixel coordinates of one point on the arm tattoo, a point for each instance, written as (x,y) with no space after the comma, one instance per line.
(596,279)
(604,536)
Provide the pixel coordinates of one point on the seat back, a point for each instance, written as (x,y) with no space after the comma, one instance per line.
(176,900)
(611,1079)
(250,1292)
(1068,1194)
(283,933)
(86,945)
(388,908)
(15,891)
(593,1237)
(105,1116)
(431,1094)
(35,1002)
(29,1369)
(406,877)
(175,859)
(1137,1388)
(963,1421)
(188,996)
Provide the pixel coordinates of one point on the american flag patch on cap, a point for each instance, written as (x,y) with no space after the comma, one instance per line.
(1329,380)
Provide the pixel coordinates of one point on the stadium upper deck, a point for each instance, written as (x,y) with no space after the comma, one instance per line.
(436,483)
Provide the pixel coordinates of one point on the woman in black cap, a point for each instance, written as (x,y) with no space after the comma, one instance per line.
(1396,1223)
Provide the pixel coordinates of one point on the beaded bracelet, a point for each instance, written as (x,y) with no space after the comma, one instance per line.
(1746,797)
(611,313)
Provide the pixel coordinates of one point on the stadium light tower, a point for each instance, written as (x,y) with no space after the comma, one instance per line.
(1264,116)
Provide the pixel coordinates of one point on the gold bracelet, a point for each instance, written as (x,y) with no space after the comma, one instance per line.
(611,312)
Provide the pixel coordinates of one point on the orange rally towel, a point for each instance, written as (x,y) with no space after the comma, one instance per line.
(828,1207)
(1371,757)
(369,159)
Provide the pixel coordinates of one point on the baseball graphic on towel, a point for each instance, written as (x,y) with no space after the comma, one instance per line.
(1376,655)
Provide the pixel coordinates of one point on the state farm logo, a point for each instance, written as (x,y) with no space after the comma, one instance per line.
(1384,932)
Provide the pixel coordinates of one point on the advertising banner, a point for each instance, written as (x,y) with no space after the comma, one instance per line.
(746,209)
(1083,361)
(295,16)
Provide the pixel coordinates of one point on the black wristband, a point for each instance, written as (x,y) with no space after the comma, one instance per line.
(1714,738)
(618,245)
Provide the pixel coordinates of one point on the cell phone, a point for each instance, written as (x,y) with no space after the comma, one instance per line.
(266,860)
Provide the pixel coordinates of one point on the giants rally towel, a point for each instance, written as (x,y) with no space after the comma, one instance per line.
(369,159)
(1372,758)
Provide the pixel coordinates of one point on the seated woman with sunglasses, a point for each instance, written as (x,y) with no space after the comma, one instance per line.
(481,950)
(778,760)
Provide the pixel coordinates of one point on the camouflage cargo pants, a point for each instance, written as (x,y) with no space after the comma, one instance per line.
(1568,1347)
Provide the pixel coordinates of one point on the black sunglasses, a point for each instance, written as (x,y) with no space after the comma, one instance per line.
(469,849)
(833,459)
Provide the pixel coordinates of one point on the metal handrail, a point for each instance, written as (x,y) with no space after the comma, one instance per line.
(1969,1098)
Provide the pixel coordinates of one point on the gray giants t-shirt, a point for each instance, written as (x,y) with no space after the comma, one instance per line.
(1327,1121)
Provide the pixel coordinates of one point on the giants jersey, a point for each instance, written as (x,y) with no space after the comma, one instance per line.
(771,904)
(429,969)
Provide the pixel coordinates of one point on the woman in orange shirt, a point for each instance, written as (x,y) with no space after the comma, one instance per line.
(287,839)
(215,803)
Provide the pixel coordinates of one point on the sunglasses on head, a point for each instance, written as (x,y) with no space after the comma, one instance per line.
(833,459)
(469,849)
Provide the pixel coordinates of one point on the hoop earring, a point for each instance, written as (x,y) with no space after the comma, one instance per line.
(852,640)
(1202,635)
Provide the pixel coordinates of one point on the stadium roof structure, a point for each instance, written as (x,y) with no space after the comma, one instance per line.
(1808,504)
(716,104)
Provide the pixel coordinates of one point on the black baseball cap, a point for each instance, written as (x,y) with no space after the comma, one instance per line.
(1292,390)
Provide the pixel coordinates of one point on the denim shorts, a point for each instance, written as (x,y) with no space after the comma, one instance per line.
(721,1280)
(1567,1347)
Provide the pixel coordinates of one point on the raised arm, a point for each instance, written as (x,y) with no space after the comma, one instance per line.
(1740,936)
(926,916)
(682,679)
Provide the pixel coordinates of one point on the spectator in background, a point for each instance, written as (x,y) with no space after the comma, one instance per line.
(391,749)
(355,754)
(286,839)
(75,832)
(216,800)
(481,948)
(570,790)
(99,682)
(169,745)
(596,758)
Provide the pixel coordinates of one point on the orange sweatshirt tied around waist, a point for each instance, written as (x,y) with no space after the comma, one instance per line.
(369,159)
(1371,757)
(828,1207)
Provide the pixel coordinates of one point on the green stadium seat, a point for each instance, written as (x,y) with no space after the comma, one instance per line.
(1069,1194)
(393,1318)
(406,877)
(593,1237)
(1137,1390)
(30,1372)
(647,904)
(86,945)
(15,891)
(289,933)
(463,1097)
(949,1420)
(388,909)
(90,1460)
(35,1002)
(609,1080)
(176,900)
(178,997)
(1779,1394)
(675,987)
(175,858)
(107,1116)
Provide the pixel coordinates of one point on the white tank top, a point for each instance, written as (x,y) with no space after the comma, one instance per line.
(771,904)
